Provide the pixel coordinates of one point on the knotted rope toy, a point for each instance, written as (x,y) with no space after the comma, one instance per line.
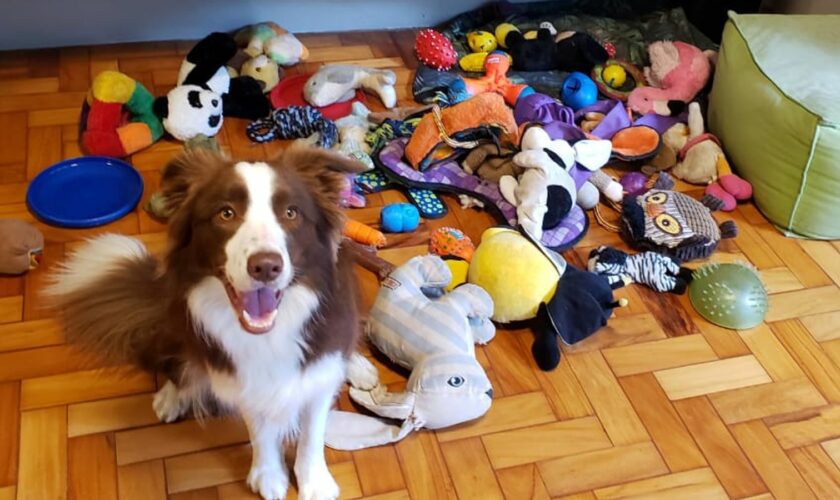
(294,122)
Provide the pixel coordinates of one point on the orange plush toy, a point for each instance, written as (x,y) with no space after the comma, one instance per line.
(495,79)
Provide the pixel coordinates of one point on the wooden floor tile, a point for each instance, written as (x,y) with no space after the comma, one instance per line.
(523,481)
(780,279)
(711,377)
(823,327)
(770,461)
(13,138)
(378,470)
(207,468)
(725,457)
(806,427)
(42,362)
(142,481)
(825,255)
(512,363)
(813,360)
(30,334)
(610,403)
(564,392)
(424,468)
(772,355)
(657,355)
(622,331)
(543,442)
(697,483)
(166,440)
(818,470)
(107,415)
(91,468)
(663,423)
(563,476)
(809,301)
(471,472)
(9,432)
(11,309)
(833,449)
(764,400)
(44,149)
(42,469)
(76,387)
(511,412)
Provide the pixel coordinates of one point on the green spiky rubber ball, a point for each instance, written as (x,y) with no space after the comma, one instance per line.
(729,295)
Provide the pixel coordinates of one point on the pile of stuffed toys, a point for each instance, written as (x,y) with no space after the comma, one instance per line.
(534,160)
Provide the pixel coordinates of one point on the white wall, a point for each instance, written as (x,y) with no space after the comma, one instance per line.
(803,6)
(53,23)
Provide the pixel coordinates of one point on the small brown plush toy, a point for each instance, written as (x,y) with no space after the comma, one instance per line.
(21,246)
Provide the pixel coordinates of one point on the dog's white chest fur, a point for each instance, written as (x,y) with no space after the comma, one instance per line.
(270,379)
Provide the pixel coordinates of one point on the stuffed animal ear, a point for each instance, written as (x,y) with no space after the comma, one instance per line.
(161,107)
(383,403)
(513,38)
(352,431)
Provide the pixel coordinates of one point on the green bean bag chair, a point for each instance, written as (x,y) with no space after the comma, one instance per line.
(775,105)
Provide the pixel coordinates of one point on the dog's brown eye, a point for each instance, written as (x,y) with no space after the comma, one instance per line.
(227,214)
(292,212)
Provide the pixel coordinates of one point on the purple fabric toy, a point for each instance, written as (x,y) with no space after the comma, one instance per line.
(542,109)
(449,176)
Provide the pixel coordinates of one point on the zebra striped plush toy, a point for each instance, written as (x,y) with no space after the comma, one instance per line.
(658,271)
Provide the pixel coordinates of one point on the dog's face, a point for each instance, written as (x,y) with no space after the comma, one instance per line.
(257,227)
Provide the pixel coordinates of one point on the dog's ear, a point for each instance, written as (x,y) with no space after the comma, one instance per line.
(186,172)
(325,174)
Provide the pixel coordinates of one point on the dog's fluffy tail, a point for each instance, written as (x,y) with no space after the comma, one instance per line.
(111,299)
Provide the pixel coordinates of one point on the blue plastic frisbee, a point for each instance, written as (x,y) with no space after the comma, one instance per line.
(85,192)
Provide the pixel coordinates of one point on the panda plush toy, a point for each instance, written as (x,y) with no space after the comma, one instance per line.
(206,93)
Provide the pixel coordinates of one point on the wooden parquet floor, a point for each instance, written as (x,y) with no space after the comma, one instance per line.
(658,404)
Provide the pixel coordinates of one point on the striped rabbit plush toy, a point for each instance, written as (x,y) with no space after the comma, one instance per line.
(432,333)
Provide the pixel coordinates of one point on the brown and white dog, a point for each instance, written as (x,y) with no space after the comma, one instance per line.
(251,309)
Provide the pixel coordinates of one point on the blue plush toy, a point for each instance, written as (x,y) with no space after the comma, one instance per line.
(400,218)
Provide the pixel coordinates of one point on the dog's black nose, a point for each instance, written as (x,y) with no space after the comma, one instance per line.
(265,266)
(489,393)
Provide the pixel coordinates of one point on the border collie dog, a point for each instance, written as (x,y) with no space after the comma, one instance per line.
(251,309)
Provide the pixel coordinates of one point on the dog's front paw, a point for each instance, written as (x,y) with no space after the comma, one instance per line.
(269,483)
(168,404)
(361,373)
(318,486)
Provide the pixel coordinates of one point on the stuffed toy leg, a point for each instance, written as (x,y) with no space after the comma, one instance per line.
(431,333)
(658,271)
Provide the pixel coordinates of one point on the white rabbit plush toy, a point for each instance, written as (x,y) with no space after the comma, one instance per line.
(431,333)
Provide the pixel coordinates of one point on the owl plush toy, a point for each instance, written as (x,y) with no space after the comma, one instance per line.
(673,223)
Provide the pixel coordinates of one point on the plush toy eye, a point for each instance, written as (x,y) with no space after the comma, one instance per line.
(455,381)
(291,212)
(227,214)
(658,198)
(667,223)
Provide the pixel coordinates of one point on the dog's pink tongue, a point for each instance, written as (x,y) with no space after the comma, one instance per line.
(260,302)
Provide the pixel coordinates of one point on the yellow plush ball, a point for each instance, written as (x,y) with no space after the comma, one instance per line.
(502,31)
(514,272)
(614,76)
(459,269)
(481,41)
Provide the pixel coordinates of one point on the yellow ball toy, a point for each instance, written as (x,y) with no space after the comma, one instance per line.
(481,41)
(614,76)
(517,285)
